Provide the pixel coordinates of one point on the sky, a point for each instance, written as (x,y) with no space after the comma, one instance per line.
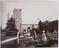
(31,10)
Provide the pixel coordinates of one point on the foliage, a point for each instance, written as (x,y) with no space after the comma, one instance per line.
(50,26)
(11,27)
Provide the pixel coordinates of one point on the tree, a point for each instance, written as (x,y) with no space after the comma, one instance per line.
(43,25)
(11,27)
(53,26)
(48,26)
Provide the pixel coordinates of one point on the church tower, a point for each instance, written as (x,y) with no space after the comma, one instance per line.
(18,21)
(18,18)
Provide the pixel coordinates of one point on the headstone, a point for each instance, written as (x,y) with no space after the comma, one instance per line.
(44,38)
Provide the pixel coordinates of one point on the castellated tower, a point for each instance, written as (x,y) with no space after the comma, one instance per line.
(18,18)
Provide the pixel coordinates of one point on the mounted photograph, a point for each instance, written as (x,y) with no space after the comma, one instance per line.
(29,23)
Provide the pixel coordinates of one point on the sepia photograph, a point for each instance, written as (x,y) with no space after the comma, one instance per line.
(29,23)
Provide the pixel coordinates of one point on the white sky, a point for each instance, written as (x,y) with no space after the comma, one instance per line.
(31,10)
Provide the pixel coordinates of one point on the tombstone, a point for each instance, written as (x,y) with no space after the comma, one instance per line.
(35,34)
(44,38)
